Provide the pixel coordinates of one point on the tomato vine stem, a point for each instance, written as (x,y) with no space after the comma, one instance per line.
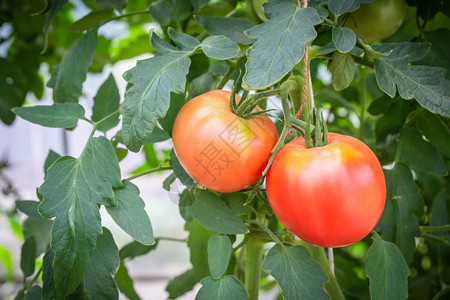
(160,168)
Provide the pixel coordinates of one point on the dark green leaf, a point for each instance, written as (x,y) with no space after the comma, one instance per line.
(51,158)
(29,207)
(117,4)
(181,284)
(236,202)
(125,283)
(179,170)
(232,28)
(103,263)
(219,68)
(160,11)
(198,4)
(198,243)
(39,229)
(214,214)
(67,80)
(219,252)
(219,47)
(299,276)
(34,293)
(176,103)
(344,39)
(157,135)
(339,7)
(439,212)
(28,256)
(148,99)
(226,288)
(181,9)
(48,283)
(130,214)
(135,249)
(404,207)
(168,181)
(185,41)
(280,42)
(419,153)
(52,9)
(93,19)
(436,132)
(200,85)
(106,102)
(185,205)
(160,45)
(427,85)
(71,192)
(439,55)
(343,70)
(12,90)
(387,271)
(64,115)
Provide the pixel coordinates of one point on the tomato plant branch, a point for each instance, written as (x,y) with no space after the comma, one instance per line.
(272,235)
(362,101)
(101,121)
(254,99)
(436,239)
(134,13)
(170,239)
(426,229)
(30,283)
(254,251)
(160,168)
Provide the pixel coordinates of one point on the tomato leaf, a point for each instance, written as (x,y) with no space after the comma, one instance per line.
(214,214)
(299,276)
(64,115)
(125,282)
(130,215)
(117,4)
(160,11)
(29,207)
(48,283)
(198,4)
(185,41)
(52,9)
(228,287)
(387,271)
(51,158)
(39,229)
(28,256)
(181,284)
(404,207)
(280,42)
(219,47)
(106,102)
(67,80)
(11,95)
(198,243)
(180,10)
(339,7)
(419,153)
(71,192)
(343,70)
(438,56)
(176,103)
(93,19)
(219,253)
(232,28)
(344,39)
(436,132)
(135,249)
(148,98)
(103,263)
(201,85)
(185,205)
(427,85)
(179,170)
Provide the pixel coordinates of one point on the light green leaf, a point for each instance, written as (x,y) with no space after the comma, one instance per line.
(427,85)
(387,271)
(219,47)
(103,263)
(71,192)
(219,252)
(280,42)
(232,28)
(198,4)
(226,288)
(130,215)
(343,70)
(93,19)
(339,7)
(181,284)
(125,282)
(28,256)
(419,153)
(148,98)
(403,210)
(198,243)
(299,276)
(135,249)
(344,39)
(64,115)
(117,4)
(106,102)
(214,214)
(185,41)
(160,11)
(67,80)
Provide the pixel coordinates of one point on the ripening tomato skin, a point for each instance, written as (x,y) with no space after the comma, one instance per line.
(330,196)
(218,149)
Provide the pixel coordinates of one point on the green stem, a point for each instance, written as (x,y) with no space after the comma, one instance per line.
(30,283)
(362,102)
(426,229)
(135,13)
(254,98)
(170,239)
(272,235)
(101,121)
(254,251)
(148,172)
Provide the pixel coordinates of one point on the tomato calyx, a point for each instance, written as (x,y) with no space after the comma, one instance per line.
(319,137)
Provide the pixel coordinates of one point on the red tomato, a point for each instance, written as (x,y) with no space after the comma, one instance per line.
(330,196)
(218,149)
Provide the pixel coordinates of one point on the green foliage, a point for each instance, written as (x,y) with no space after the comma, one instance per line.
(63,115)
(227,287)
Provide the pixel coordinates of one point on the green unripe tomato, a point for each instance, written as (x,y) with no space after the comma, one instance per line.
(259,9)
(377,20)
